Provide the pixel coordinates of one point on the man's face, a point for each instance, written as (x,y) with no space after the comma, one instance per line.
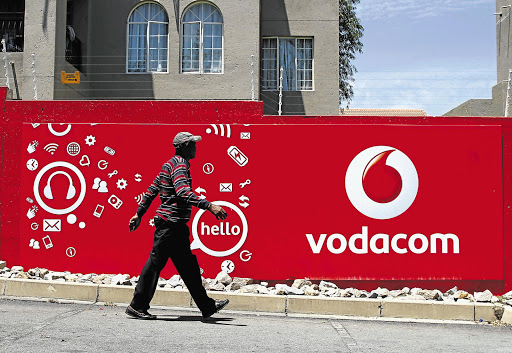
(189,151)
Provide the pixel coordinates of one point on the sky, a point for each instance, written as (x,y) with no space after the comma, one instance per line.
(425,54)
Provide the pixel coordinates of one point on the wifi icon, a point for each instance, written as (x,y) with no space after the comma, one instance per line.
(139,197)
(224,131)
(51,148)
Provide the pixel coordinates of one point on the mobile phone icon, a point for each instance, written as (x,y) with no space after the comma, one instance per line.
(47,242)
(98,211)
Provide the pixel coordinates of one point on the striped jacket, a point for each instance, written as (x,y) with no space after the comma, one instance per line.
(174,184)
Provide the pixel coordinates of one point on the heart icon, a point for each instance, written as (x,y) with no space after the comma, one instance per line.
(84,161)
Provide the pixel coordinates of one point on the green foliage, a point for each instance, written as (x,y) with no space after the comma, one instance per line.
(351,32)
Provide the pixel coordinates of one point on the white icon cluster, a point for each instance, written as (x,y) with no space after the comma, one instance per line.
(73,149)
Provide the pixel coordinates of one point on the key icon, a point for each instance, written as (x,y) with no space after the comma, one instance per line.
(247,182)
(110,175)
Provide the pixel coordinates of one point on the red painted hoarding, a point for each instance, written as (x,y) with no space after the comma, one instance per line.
(362,204)
(286,189)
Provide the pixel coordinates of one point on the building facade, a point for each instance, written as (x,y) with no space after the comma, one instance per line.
(181,50)
(495,106)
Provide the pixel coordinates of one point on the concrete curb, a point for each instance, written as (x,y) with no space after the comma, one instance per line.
(124,294)
(507,316)
(428,310)
(3,283)
(51,289)
(281,304)
(334,306)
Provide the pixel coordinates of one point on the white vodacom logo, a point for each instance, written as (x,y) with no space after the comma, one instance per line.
(381,182)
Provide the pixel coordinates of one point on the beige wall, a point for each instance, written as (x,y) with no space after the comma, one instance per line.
(504,39)
(317,19)
(40,20)
(102,28)
(106,69)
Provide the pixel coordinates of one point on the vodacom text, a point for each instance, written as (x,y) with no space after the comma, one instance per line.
(381,243)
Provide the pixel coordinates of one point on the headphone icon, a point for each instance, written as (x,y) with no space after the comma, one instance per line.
(48,189)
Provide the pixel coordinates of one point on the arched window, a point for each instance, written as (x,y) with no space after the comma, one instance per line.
(148,28)
(202,39)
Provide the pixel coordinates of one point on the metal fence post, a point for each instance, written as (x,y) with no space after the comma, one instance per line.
(253,97)
(34,72)
(15,80)
(280,90)
(6,65)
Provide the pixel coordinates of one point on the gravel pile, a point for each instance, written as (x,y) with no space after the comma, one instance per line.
(223,282)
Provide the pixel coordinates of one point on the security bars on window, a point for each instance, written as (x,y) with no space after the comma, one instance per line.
(295,55)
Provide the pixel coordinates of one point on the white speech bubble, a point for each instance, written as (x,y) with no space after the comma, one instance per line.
(198,244)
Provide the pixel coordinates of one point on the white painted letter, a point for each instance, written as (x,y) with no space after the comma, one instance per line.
(424,243)
(444,241)
(235,230)
(316,247)
(385,244)
(205,230)
(364,239)
(394,243)
(330,242)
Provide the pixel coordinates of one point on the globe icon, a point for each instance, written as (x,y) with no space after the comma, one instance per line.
(73,149)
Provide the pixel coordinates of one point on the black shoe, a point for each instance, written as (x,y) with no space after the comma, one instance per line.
(219,305)
(144,315)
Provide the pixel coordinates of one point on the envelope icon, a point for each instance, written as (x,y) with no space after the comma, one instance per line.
(226,187)
(245,135)
(52,225)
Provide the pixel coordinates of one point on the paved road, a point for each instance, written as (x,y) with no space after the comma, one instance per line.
(31,326)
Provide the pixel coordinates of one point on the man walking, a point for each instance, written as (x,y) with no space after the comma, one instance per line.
(171,240)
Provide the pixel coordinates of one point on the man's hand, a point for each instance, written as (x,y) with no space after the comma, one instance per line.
(217,211)
(134,222)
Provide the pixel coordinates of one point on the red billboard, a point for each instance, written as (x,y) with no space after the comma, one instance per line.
(323,201)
